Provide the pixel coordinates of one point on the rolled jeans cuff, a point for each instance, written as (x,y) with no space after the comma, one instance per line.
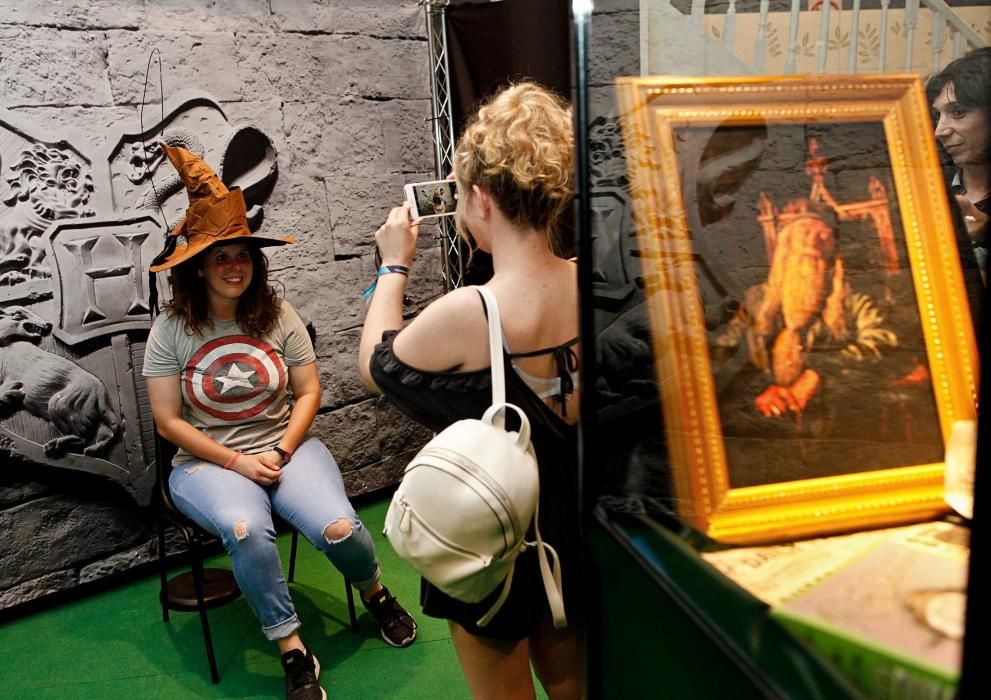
(283,629)
(367,583)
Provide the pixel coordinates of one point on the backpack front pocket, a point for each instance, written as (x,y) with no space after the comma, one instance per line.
(456,570)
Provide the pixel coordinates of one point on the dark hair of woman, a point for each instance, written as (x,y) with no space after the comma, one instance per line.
(257,308)
(971,78)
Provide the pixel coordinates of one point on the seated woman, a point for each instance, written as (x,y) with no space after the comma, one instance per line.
(220,364)
(513,166)
(960,96)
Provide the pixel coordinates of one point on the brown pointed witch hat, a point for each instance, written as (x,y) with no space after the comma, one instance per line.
(214,215)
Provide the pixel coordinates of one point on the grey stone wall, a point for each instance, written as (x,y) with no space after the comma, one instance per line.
(341,87)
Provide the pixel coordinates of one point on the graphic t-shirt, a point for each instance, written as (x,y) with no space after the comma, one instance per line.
(235,387)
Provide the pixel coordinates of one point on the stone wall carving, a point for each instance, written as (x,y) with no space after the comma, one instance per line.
(78,233)
(46,184)
(242,155)
(317,110)
(53,388)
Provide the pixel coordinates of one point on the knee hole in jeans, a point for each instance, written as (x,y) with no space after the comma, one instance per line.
(240,530)
(338,531)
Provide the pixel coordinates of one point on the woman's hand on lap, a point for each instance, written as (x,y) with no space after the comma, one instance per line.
(254,468)
(271,459)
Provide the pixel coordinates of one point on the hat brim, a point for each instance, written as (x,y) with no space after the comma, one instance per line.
(184,252)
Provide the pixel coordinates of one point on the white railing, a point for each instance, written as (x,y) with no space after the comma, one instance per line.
(921,36)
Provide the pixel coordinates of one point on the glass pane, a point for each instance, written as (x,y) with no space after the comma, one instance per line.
(786,252)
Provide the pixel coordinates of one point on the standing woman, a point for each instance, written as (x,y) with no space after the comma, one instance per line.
(221,362)
(514,171)
(960,96)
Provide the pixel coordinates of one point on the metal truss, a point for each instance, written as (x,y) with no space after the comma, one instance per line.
(452,249)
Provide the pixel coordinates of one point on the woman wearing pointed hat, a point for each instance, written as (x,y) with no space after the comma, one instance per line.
(221,362)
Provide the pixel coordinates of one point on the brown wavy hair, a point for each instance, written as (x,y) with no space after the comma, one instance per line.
(257,308)
(520,147)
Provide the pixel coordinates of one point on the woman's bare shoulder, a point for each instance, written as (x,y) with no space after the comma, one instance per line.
(435,339)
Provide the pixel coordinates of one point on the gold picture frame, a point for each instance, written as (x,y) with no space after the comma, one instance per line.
(698,148)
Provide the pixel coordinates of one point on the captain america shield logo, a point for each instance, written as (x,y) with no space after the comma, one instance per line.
(234,377)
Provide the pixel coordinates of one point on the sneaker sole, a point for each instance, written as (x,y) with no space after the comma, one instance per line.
(316,672)
(406,642)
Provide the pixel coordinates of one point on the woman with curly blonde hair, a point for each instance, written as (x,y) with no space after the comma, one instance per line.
(514,170)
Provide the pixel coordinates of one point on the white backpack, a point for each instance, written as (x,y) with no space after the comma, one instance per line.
(465,503)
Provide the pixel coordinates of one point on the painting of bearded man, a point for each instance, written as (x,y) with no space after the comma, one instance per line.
(820,363)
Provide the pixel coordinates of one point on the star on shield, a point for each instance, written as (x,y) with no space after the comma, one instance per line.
(236,377)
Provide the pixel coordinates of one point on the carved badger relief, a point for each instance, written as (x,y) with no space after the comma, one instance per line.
(53,388)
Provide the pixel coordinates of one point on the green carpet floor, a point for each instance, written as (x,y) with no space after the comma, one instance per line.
(115,645)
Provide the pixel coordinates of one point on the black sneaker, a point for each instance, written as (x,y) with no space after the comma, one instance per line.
(398,628)
(302,671)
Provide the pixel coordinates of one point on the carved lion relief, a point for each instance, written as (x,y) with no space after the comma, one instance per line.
(46,183)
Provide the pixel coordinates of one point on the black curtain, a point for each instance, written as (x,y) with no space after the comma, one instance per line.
(493,43)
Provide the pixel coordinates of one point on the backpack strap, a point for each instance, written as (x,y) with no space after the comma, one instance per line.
(497,606)
(549,573)
(495,351)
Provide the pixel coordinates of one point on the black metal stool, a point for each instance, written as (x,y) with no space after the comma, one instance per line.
(199,589)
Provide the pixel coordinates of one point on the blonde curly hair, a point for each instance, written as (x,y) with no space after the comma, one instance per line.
(520,148)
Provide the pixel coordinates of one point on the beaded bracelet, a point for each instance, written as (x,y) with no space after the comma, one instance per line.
(230,462)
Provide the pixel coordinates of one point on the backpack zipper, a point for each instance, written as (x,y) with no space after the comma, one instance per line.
(448,468)
(481,475)
(405,525)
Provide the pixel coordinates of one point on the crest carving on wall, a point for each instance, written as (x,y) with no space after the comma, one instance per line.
(77,231)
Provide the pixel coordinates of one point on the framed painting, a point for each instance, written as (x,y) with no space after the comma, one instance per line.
(810,325)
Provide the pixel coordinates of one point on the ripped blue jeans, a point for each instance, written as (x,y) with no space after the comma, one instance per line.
(309,495)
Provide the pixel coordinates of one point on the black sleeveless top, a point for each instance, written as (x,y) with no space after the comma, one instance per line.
(438,399)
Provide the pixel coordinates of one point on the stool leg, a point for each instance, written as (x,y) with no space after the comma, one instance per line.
(163,591)
(292,555)
(197,564)
(350,594)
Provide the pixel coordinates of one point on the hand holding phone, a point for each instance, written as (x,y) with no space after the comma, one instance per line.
(431,199)
(395,240)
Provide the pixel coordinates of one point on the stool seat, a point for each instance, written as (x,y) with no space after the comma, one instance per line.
(219,588)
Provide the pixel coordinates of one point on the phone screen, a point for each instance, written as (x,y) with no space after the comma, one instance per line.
(436,198)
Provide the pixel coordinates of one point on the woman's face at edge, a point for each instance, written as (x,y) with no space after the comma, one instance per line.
(963,130)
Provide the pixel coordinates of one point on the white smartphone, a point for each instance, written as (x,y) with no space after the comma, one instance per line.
(429,199)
